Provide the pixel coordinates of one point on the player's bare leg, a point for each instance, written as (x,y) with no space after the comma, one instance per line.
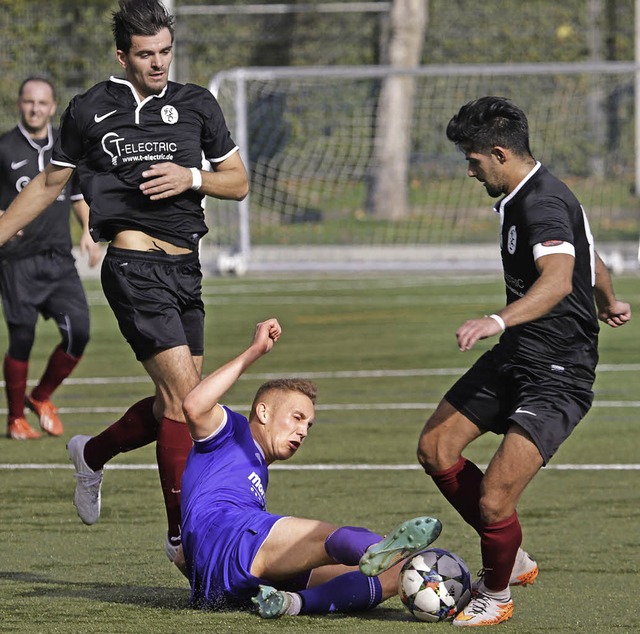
(175,372)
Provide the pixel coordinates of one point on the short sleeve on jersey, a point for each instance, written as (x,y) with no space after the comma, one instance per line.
(68,148)
(552,247)
(217,143)
(204,443)
(549,220)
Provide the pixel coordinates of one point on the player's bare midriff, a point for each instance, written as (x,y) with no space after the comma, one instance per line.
(140,241)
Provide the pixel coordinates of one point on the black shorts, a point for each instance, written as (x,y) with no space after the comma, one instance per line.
(156,298)
(44,284)
(495,394)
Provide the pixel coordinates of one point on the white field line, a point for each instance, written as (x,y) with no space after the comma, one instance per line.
(322,467)
(329,407)
(342,374)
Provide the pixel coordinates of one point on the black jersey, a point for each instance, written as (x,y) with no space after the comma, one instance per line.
(111,137)
(21,159)
(542,208)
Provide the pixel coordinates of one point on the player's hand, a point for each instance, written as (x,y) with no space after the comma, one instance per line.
(90,248)
(618,314)
(475,329)
(266,334)
(165,180)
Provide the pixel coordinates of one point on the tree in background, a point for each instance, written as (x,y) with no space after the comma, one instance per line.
(386,195)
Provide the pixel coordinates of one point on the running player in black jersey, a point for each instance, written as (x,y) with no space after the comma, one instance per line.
(37,271)
(137,144)
(535,384)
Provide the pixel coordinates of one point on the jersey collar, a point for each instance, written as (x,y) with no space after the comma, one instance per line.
(499,206)
(140,103)
(40,149)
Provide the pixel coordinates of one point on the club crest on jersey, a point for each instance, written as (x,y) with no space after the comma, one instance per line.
(169,115)
(512,240)
(22,182)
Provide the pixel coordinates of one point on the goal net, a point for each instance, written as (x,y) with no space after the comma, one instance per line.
(307,136)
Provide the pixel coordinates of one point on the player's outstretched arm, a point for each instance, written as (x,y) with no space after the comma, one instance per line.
(33,200)
(200,406)
(611,311)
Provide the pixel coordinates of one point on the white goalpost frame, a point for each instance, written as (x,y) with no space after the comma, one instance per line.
(239,77)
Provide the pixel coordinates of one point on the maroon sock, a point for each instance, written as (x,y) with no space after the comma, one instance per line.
(59,367)
(137,428)
(173,447)
(460,485)
(15,385)
(499,543)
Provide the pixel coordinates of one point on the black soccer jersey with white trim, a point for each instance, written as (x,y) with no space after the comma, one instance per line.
(21,159)
(542,208)
(112,136)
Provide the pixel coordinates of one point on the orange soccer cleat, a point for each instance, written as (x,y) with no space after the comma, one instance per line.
(48,415)
(19,429)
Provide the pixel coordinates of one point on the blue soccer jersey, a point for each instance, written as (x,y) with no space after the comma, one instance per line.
(224,518)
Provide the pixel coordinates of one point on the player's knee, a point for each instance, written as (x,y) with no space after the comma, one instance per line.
(75,337)
(21,338)
(432,453)
(494,507)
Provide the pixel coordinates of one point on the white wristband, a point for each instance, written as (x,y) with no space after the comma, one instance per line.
(196,178)
(499,321)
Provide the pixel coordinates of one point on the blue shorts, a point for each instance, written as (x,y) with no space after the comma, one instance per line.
(221,551)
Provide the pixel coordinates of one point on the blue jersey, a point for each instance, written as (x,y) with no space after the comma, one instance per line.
(224,518)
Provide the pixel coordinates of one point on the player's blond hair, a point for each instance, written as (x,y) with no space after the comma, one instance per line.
(303,386)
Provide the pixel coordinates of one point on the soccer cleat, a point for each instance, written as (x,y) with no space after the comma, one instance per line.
(405,540)
(171,547)
(524,572)
(271,603)
(19,429)
(484,610)
(173,550)
(48,415)
(88,482)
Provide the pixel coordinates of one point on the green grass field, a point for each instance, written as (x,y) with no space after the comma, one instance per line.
(382,350)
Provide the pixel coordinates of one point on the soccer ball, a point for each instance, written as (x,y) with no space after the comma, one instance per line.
(435,585)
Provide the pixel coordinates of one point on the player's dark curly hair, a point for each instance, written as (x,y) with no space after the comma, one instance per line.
(139,17)
(489,122)
(308,388)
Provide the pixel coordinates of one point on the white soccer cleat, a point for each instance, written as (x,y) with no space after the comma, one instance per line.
(525,570)
(524,573)
(88,482)
(173,550)
(484,610)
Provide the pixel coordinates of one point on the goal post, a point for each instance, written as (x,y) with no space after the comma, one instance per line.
(306,135)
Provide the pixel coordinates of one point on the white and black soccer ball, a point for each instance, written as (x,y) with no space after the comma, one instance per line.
(435,584)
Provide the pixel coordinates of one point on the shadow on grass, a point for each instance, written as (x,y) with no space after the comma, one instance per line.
(155,597)
(145,596)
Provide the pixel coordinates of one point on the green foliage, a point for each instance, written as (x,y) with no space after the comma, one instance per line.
(71,42)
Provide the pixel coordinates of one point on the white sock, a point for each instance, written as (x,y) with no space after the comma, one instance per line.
(503,596)
(294,604)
